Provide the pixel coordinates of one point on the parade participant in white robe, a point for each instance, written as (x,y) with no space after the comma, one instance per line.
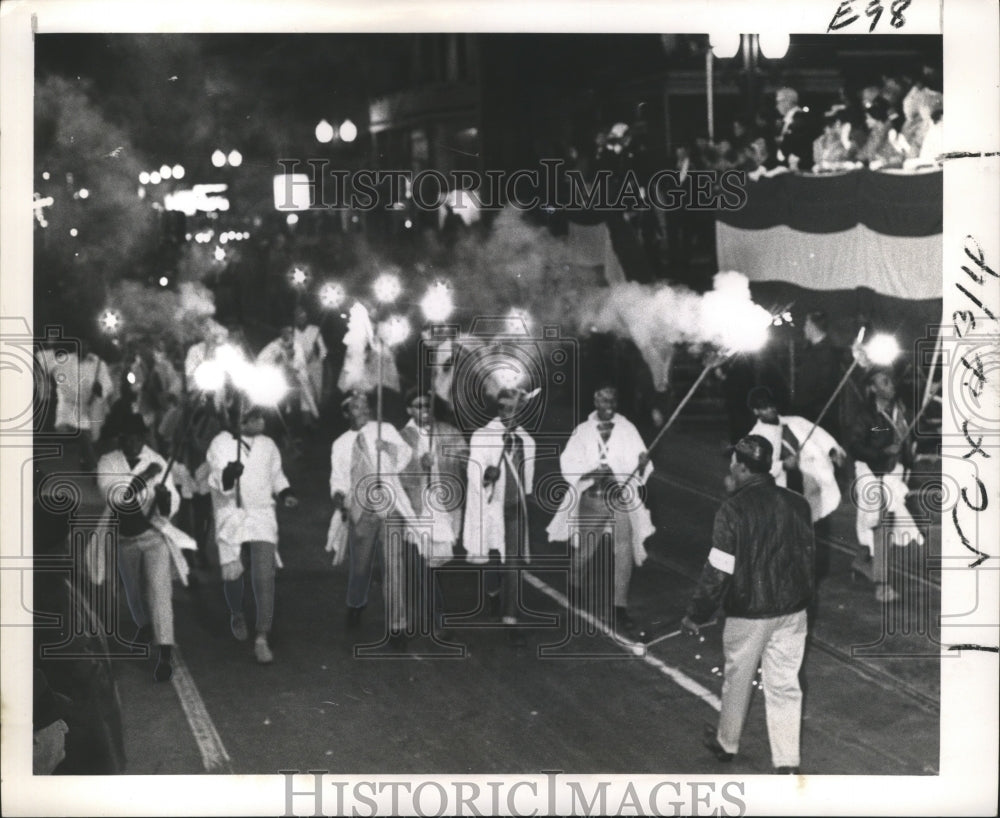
(310,340)
(287,353)
(84,389)
(379,519)
(500,479)
(141,497)
(604,452)
(247,481)
(434,480)
(799,448)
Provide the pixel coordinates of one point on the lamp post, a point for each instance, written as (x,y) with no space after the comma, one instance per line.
(724,45)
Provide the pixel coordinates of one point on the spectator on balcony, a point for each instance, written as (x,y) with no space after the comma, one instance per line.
(917,108)
(933,145)
(741,134)
(793,140)
(837,147)
(882,148)
(760,160)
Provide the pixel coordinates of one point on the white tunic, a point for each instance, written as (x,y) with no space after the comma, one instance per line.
(586,451)
(484,525)
(819,482)
(262,480)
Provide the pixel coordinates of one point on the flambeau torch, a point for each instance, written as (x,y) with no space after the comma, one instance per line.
(387,289)
(881,350)
(733,325)
(437,306)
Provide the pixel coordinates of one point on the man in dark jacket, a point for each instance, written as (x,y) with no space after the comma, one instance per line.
(760,572)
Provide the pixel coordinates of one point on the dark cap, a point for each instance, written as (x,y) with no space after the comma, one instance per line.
(760,397)
(755,452)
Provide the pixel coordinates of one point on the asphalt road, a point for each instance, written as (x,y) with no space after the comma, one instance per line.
(584,705)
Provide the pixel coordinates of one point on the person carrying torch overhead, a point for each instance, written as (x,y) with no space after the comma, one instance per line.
(141,494)
(500,478)
(366,493)
(606,462)
(876,438)
(247,481)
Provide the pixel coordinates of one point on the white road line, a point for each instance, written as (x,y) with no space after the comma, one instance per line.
(676,675)
(213,753)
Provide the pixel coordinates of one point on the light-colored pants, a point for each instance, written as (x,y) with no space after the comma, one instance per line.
(589,541)
(875,495)
(145,560)
(263,563)
(777,645)
(366,538)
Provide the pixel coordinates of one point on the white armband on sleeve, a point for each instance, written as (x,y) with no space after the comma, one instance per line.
(721,561)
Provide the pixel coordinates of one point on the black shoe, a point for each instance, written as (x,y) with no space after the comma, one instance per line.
(164,670)
(786,771)
(144,635)
(353,617)
(716,749)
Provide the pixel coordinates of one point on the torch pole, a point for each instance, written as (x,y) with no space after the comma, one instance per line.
(690,393)
(378,411)
(239,445)
(179,443)
(829,403)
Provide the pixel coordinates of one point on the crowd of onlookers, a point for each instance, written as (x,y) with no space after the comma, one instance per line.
(893,125)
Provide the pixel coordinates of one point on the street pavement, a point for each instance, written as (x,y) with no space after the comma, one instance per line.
(594,704)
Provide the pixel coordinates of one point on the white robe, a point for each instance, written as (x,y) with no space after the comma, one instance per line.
(484,527)
(311,341)
(76,405)
(819,482)
(341,456)
(583,455)
(262,480)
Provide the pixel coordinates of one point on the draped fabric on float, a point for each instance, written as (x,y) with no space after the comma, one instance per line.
(858,229)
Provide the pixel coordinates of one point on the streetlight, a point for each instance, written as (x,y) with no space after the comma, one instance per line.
(166,171)
(348,131)
(178,171)
(235,158)
(218,158)
(155,178)
(324,132)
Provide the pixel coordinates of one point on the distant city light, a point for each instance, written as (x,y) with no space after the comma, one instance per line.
(143,178)
(223,238)
(166,171)
(74,232)
(235,158)
(324,131)
(130,378)
(178,171)
(348,131)
(299,277)
(218,159)
(155,178)
(220,254)
(84,193)
(292,218)
(45,175)
(408,224)
(164,281)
